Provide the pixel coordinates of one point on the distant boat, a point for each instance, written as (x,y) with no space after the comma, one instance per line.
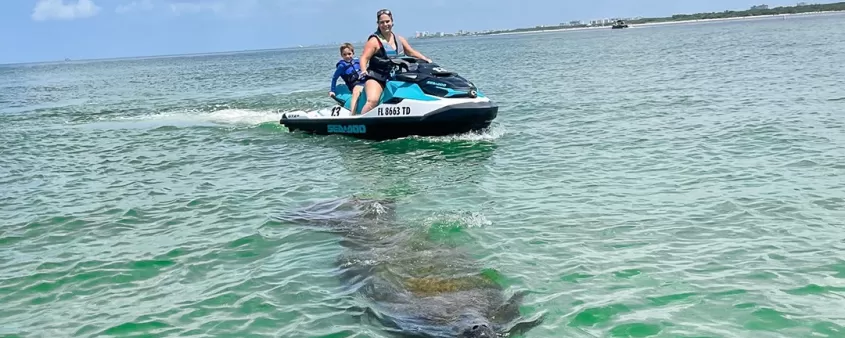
(619,25)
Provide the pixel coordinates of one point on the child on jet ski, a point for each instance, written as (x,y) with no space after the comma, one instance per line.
(349,69)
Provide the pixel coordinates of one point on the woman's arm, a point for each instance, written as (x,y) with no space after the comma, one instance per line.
(411,51)
(369,49)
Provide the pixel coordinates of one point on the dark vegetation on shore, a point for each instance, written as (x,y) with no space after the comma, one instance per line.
(808,8)
(839,6)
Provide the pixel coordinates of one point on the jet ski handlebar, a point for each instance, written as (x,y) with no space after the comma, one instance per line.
(409,59)
(406,62)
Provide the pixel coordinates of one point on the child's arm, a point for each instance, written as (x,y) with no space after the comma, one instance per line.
(334,78)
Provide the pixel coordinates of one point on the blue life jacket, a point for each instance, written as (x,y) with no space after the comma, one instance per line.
(349,71)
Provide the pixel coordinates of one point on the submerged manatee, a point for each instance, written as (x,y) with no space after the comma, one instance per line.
(411,284)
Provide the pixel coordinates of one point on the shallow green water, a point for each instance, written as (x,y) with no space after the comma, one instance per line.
(676,181)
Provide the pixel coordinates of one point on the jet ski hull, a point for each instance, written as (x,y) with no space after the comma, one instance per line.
(452,119)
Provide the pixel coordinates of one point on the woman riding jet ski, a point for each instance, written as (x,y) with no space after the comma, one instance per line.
(375,65)
(402,96)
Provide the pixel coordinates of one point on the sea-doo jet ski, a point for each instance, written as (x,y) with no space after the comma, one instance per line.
(419,98)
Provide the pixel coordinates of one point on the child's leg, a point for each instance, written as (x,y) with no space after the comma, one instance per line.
(356,92)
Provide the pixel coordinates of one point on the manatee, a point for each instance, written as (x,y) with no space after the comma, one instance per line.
(414,286)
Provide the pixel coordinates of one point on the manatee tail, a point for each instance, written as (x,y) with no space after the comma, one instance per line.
(342,214)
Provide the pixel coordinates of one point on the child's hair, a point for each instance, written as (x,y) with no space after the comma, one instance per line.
(347,45)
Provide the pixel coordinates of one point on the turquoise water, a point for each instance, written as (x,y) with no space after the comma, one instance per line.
(670,181)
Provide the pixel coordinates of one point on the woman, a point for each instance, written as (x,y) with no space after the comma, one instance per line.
(374,58)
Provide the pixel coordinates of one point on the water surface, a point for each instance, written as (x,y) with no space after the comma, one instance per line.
(673,181)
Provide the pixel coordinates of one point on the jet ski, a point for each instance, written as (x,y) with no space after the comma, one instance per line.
(419,98)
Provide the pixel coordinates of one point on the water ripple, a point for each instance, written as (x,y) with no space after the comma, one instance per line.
(659,181)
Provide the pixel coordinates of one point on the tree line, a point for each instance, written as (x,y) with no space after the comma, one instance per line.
(809,8)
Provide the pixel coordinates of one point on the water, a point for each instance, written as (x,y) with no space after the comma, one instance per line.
(671,181)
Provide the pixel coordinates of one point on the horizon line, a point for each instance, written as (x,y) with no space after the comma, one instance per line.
(282,48)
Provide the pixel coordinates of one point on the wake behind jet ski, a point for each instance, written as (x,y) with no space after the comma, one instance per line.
(420,98)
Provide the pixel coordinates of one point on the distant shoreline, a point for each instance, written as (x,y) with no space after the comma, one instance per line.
(756,12)
(648,24)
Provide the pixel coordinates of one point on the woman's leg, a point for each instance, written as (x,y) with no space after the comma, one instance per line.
(356,92)
(373,89)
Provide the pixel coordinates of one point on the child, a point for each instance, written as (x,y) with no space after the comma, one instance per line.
(348,68)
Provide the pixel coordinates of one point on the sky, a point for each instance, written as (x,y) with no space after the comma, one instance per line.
(51,30)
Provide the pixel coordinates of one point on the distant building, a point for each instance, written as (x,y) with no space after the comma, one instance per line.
(424,34)
(760,7)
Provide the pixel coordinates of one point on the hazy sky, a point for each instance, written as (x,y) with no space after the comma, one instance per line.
(45,30)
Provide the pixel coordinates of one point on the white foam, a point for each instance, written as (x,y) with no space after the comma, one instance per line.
(223,116)
(241,116)
(188,118)
(493,133)
(468,219)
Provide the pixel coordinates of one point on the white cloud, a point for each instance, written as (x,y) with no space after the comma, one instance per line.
(192,7)
(58,10)
(223,8)
(143,5)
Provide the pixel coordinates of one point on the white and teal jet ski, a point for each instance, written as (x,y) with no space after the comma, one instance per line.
(420,98)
